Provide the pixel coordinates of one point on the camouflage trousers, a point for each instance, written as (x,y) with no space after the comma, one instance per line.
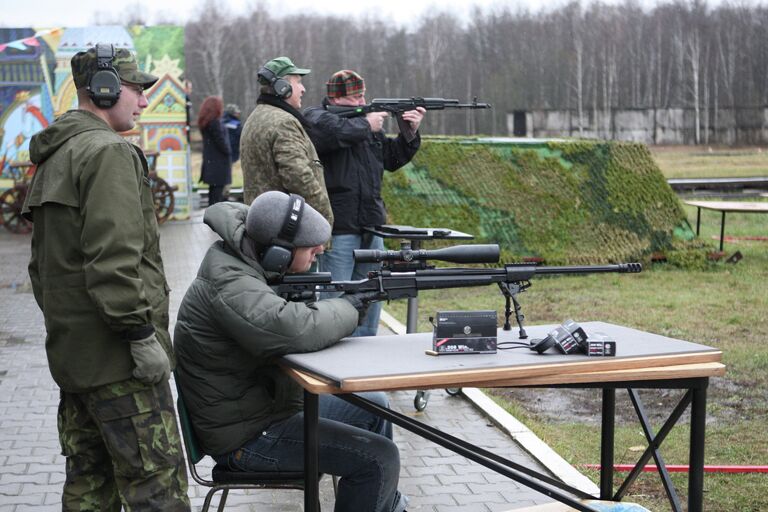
(122,449)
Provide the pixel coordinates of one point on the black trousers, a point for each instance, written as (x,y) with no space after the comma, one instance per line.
(215,194)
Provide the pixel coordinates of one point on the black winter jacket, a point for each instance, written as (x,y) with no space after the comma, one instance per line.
(354,159)
(217,164)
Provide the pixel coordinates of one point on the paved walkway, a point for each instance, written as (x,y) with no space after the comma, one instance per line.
(32,470)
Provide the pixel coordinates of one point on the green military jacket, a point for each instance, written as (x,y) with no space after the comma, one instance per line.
(231,330)
(277,154)
(95,268)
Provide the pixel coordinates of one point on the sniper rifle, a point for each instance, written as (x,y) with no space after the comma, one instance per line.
(511,279)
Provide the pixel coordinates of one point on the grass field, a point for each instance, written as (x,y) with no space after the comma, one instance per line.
(703,162)
(724,307)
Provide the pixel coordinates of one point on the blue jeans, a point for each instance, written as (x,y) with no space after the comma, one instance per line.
(340,262)
(354,444)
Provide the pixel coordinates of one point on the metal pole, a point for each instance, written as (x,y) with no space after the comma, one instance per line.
(411,325)
(412,318)
(413,315)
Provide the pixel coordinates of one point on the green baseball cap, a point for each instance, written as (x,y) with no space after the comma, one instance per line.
(85,64)
(282,66)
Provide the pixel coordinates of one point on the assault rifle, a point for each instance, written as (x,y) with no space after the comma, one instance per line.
(512,279)
(396,107)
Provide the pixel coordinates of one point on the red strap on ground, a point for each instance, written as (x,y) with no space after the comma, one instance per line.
(741,238)
(683,468)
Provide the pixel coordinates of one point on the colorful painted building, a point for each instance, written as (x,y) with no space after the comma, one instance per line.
(36,87)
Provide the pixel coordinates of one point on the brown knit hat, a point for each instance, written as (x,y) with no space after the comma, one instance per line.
(345,83)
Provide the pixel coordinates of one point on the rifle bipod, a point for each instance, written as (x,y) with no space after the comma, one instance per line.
(510,291)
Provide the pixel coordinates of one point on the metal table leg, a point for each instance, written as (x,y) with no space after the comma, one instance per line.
(696,463)
(311,463)
(698,219)
(607,443)
(722,231)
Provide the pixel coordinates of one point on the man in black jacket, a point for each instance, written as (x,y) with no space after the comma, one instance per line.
(355,152)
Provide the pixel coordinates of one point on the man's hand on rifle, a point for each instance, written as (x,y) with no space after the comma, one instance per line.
(414,117)
(376,120)
(361,300)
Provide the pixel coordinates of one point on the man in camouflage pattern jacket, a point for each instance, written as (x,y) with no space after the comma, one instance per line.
(275,149)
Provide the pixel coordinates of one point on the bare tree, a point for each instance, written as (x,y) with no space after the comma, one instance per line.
(591,59)
(578,51)
(207,48)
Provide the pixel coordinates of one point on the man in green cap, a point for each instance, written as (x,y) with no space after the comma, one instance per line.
(98,278)
(275,151)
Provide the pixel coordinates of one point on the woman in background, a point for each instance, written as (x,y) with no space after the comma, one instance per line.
(217,164)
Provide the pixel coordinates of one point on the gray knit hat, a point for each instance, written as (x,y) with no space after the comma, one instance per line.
(268,213)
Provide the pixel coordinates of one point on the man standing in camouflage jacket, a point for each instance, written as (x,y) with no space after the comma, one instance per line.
(275,149)
(98,277)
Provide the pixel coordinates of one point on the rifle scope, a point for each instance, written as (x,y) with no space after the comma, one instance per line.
(480,253)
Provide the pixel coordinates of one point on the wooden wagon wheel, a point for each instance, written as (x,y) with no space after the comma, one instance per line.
(11,202)
(162,194)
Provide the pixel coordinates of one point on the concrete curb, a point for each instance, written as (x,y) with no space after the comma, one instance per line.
(521,434)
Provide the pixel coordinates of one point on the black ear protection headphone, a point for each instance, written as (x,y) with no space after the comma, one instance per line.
(542,345)
(277,257)
(281,86)
(104,86)
(568,338)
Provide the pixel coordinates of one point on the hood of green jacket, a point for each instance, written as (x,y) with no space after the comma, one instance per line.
(227,220)
(70,124)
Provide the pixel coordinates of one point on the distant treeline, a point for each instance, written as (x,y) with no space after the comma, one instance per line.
(579,57)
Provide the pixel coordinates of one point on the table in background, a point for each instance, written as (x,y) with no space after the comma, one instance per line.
(723,207)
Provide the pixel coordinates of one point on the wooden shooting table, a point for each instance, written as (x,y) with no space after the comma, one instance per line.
(643,360)
(726,206)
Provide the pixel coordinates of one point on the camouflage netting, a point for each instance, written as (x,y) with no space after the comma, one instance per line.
(568,202)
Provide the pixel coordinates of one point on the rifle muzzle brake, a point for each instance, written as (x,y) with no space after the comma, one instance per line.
(630,268)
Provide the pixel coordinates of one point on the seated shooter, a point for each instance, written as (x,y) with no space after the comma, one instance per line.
(231,329)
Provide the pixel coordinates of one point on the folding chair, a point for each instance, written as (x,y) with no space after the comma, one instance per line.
(222,479)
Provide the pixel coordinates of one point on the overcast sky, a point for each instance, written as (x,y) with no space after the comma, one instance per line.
(78,13)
